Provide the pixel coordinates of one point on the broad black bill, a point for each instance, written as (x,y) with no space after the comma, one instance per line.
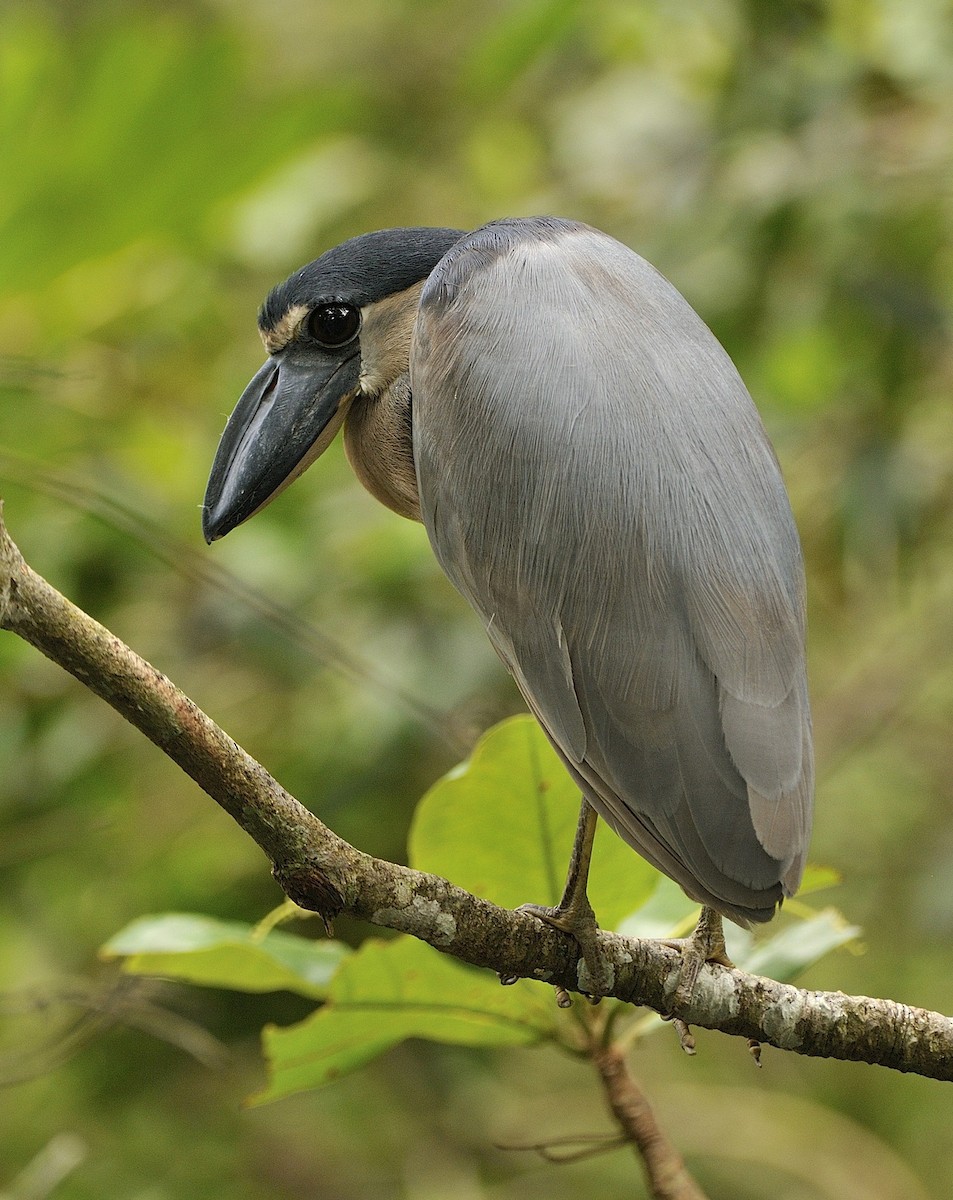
(274,433)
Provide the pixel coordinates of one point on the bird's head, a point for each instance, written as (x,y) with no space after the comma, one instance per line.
(336,330)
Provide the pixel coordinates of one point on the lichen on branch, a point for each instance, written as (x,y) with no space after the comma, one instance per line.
(322,872)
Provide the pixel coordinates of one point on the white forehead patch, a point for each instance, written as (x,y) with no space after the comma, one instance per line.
(280,335)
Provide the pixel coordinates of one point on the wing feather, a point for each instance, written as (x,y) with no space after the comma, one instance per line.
(597,483)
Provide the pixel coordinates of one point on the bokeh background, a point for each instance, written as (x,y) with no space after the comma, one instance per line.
(789,166)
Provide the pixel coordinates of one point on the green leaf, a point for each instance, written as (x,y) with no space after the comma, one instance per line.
(389,991)
(501,825)
(798,946)
(667,913)
(226,954)
(817,878)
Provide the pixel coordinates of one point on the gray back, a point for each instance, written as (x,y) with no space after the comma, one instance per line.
(596,481)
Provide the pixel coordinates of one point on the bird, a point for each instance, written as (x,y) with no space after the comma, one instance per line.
(596,481)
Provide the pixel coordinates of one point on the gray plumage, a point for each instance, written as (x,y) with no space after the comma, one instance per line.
(596,481)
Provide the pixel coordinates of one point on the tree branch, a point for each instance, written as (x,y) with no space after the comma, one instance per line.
(322,872)
(666,1173)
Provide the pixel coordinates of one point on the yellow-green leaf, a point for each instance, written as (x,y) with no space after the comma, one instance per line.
(817,878)
(799,945)
(226,954)
(389,991)
(501,825)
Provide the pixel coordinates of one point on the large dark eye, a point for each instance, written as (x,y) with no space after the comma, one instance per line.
(334,325)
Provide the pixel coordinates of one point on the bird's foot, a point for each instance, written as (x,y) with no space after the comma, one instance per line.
(706,945)
(579,921)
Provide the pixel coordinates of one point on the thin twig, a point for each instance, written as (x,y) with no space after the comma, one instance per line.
(666,1174)
(570,1149)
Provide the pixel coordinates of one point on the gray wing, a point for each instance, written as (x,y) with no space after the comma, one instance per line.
(597,483)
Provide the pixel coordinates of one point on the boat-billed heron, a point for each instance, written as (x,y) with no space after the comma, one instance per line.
(596,481)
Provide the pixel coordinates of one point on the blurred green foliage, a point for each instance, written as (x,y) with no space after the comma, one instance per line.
(788,166)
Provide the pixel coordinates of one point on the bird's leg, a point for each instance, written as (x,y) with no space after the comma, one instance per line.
(706,944)
(573,914)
